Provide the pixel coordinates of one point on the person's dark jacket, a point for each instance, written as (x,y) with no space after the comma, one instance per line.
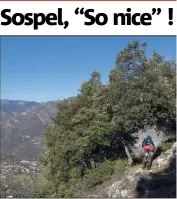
(148,141)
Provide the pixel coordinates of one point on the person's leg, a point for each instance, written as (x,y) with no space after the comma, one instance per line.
(144,162)
(144,159)
(149,162)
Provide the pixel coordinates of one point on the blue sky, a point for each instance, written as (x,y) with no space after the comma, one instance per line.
(50,68)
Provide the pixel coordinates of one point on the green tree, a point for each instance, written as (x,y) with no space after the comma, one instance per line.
(96,126)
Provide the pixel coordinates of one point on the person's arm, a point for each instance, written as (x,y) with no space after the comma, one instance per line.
(153,144)
(143,143)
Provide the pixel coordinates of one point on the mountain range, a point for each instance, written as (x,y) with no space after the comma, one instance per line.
(22,124)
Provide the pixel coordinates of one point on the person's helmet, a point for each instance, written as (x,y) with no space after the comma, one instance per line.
(149,137)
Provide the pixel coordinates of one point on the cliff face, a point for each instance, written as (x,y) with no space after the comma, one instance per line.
(158,182)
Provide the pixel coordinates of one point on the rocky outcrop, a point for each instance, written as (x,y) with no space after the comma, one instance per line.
(158,182)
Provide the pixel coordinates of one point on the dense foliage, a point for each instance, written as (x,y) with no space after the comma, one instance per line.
(94,130)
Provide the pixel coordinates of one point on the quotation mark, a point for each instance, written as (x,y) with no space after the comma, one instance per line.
(79,11)
(154,11)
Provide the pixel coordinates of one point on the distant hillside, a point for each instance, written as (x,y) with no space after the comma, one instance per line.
(21,130)
(17,106)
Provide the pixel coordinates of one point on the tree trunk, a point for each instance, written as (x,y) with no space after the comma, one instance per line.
(130,160)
